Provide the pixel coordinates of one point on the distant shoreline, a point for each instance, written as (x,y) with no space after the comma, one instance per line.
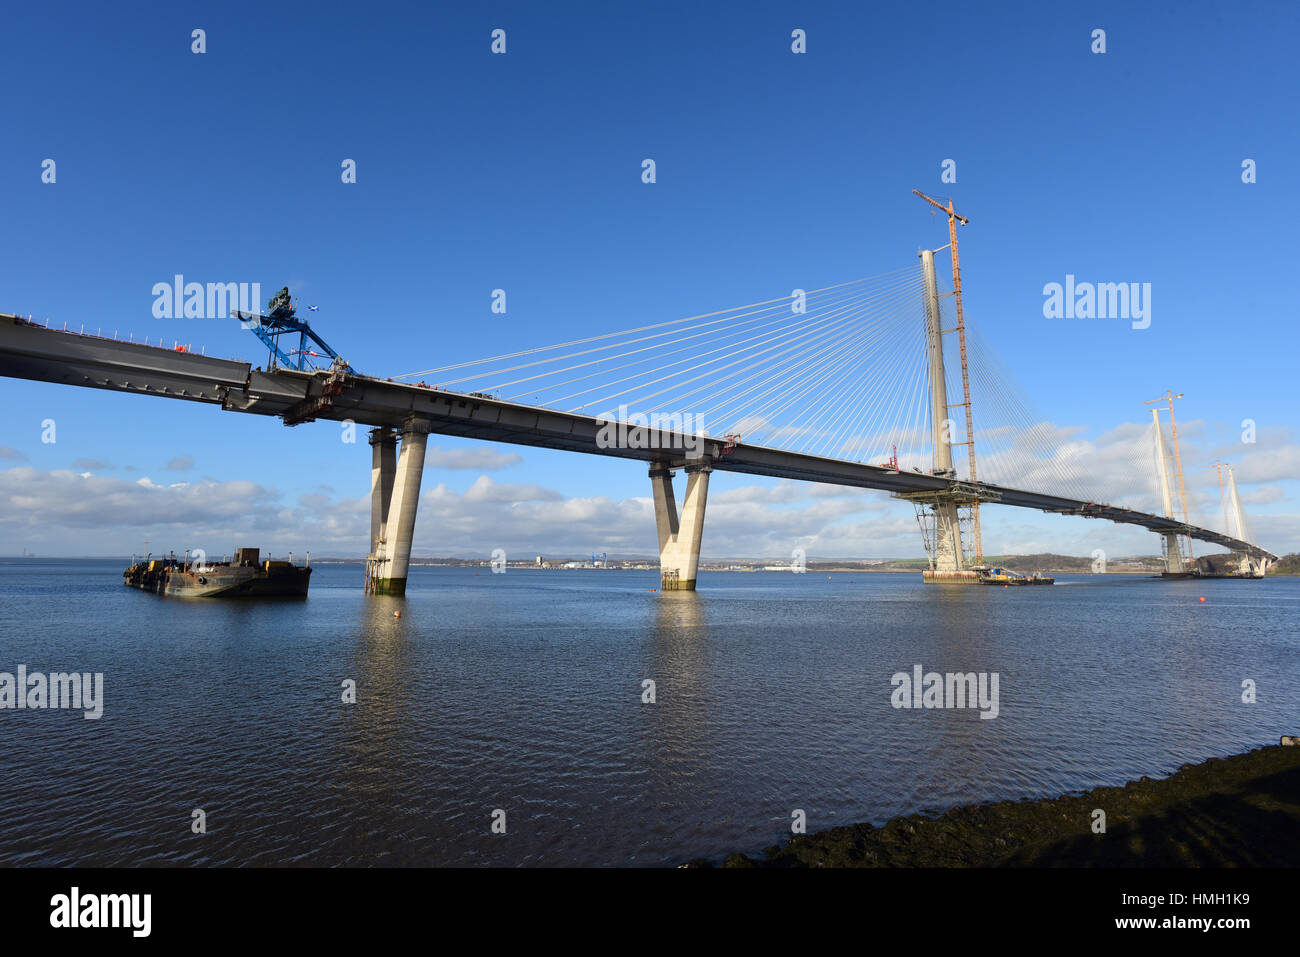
(1288,567)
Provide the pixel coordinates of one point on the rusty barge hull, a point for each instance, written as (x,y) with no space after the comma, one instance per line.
(245,577)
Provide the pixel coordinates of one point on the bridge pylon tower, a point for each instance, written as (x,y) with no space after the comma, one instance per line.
(937,510)
(1177,563)
(976,536)
(1249,565)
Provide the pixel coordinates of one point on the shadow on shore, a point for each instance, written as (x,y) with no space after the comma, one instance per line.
(1242,811)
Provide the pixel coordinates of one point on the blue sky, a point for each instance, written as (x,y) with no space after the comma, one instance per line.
(774,171)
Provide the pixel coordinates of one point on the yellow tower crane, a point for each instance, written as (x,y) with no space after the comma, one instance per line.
(953,219)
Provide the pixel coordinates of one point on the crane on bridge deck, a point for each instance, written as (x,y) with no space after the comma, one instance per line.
(280,321)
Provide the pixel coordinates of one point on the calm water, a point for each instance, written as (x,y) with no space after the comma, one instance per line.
(522,691)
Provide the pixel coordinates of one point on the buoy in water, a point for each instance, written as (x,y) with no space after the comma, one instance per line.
(397,614)
(1202,598)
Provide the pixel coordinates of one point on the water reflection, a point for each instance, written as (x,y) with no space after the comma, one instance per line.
(678,662)
(960,740)
(678,740)
(372,744)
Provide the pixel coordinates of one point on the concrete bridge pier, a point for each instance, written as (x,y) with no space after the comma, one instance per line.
(679,539)
(383,470)
(1249,566)
(386,570)
(1175,564)
(949,565)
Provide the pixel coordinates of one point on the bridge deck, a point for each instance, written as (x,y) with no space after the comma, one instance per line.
(29,351)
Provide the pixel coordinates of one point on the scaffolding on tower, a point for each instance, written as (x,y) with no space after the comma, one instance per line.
(973,511)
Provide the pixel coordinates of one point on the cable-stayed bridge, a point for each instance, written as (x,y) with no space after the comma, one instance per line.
(847,385)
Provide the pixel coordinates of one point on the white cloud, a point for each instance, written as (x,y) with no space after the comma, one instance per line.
(485,490)
(1264,495)
(61,512)
(1264,464)
(484,458)
(91,465)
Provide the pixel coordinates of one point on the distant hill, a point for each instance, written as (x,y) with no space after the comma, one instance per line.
(1066,564)
(1220,563)
(1286,565)
(1046,562)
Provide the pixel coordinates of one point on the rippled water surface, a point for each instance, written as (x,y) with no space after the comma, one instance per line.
(523,692)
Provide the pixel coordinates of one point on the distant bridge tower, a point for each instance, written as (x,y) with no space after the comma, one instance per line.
(937,511)
(1254,567)
(1188,563)
(1176,563)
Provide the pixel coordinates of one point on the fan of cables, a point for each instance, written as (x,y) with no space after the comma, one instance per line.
(840,372)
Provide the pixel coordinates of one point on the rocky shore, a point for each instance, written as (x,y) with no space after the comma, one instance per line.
(1241,811)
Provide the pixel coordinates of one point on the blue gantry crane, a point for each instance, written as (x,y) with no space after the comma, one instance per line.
(282,321)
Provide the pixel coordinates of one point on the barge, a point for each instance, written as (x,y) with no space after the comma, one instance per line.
(245,577)
(1004,576)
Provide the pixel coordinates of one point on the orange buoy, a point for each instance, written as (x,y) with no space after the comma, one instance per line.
(1202,598)
(397,614)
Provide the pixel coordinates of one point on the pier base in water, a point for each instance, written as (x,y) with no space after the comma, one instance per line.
(932,577)
(679,539)
(394,495)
